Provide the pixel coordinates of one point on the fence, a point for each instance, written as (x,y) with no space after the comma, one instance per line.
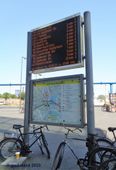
(101,93)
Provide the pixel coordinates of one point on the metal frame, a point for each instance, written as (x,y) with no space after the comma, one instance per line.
(89,80)
(66,67)
(60,20)
(75,77)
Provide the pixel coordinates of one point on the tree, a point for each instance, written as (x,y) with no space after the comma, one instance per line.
(22,96)
(101,97)
(6,95)
(13,96)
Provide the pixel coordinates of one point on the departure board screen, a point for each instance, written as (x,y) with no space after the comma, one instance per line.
(57,45)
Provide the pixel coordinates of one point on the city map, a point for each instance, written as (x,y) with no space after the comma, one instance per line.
(57,101)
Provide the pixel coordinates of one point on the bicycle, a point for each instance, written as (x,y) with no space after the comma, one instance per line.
(98,154)
(106,141)
(10,145)
(106,107)
(109,164)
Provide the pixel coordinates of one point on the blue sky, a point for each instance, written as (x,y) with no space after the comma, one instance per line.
(19,17)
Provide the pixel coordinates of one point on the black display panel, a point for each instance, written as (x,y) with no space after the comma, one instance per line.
(57,45)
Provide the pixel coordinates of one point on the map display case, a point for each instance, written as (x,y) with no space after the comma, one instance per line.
(58,101)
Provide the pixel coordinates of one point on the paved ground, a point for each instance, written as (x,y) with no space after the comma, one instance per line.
(36,161)
(8,117)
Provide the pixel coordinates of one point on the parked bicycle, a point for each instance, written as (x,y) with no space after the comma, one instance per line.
(104,141)
(10,145)
(92,160)
(109,164)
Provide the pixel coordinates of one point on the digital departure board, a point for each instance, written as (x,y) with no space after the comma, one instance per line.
(57,45)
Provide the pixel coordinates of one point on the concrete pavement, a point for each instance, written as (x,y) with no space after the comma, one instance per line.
(37,161)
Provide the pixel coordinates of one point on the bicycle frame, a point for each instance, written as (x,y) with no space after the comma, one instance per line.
(72,138)
(21,137)
(114,137)
(66,143)
(18,143)
(82,162)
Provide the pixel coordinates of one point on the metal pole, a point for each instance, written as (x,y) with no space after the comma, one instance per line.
(21,80)
(89,81)
(28,78)
(20,83)
(111,88)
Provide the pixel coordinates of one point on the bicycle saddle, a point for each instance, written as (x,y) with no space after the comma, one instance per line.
(17,126)
(112,129)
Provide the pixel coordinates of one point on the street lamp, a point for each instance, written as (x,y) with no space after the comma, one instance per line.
(21,75)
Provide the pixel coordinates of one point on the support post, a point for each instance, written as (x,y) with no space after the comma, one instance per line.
(89,81)
(111,88)
(21,73)
(27,94)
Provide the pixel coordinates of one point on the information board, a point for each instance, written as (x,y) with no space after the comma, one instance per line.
(57,45)
(58,101)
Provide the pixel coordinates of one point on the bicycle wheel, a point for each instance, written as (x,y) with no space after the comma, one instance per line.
(45,144)
(109,165)
(103,108)
(58,156)
(104,142)
(8,147)
(100,155)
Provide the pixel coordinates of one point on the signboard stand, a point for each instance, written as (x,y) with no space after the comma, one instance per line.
(31,55)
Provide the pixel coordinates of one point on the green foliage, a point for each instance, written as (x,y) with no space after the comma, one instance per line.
(7,95)
(101,97)
(22,96)
(13,96)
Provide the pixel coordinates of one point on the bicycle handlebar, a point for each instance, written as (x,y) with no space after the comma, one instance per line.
(39,128)
(70,130)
